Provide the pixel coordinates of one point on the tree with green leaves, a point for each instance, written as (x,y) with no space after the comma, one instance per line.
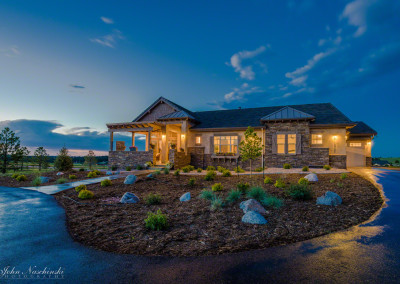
(41,158)
(9,144)
(250,148)
(90,160)
(63,161)
(18,158)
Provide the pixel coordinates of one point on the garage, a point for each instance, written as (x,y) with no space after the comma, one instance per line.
(355,156)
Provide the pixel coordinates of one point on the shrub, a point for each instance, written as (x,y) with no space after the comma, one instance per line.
(221,169)
(191,167)
(153,199)
(280,183)
(332,180)
(210,168)
(305,169)
(156,172)
(81,169)
(303,181)
(37,181)
(139,167)
(343,176)
(106,182)
(216,203)
(238,169)
(21,178)
(63,161)
(243,187)
(327,167)
(177,173)
(199,170)
(272,201)
(91,175)
(299,191)
(217,187)
(186,169)
(156,221)
(80,187)
(128,168)
(268,180)
(166,171)
(97,172)
(340,184)
(257,193)
(15,175)
(114,168)
(210,175)
(206,194)
(234,195)
(61,180)
(85,194)
(72,177)
(226,173)
(148,164)
(287,166)
(191,182)
(260,169)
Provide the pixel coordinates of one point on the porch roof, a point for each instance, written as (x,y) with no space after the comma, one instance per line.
(134,126)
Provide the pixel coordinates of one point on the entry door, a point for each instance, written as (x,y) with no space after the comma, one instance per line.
(355,157)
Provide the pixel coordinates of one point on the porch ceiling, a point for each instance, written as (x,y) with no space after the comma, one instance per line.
(135,126)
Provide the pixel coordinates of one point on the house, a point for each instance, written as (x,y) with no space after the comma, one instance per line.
(303,135)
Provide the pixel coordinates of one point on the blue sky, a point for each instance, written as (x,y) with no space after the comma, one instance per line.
(69,67)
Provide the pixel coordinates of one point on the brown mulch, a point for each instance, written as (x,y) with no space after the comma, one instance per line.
(11,182)
(196,230)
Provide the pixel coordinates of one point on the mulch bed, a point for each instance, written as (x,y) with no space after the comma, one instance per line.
(194,229)
(11,182)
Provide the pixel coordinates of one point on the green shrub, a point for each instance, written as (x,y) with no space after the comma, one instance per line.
(280,183)
(191,167)
(177,173)
(139,167)
(37,181)
(114,168)
(268,180)
(186,169)
(80,187)
(305,169)
(148,164)
(327,167)
(156,172)
(257,193)
(61,180)
(21,178)
(216,203)
(221,169)
(15,175)
(63,161)
(226,173)
(332,180)
(217,187)
(272,201)
(192,182)
(299,192)
(85,194)
(199,170)
(210,175)
(156,221)
(128,168)
(97,172)
(91,175)
(243,187)
(106,182)
(259,169)
(153,199)
(210,168)
(72,177)
(238,169)
(287,166)
(81,169)
(166,171)
(343,176)
(303,181)
(206,194)
(340,184)
(234,195)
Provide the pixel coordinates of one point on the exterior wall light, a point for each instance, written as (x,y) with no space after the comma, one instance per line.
(334,137)
(163,136)
(183,136)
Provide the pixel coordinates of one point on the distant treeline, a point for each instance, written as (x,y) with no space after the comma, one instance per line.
(78,159)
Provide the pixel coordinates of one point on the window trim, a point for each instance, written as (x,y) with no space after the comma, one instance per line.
(226,135)
(195,139)
(312,139)
(286,144)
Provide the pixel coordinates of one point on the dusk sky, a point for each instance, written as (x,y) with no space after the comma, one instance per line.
(70,67)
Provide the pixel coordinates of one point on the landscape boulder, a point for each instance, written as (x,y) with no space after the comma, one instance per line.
(129,197)
(109,173)
(185,197)
(253,217)
(44,179)
(252,205)
(311,177)
(59,173)
(131,179)
(329,198)
(117,172)
(150,176)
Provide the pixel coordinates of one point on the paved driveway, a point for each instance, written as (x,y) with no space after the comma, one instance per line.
(33,233)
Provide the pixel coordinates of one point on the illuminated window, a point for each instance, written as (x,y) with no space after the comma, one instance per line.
(281,141)
(291,143)
(286,143)
(316,139)
(225,144)
(198,139)
(355,144)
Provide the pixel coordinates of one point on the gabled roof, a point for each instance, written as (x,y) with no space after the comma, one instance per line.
(176,115)
(287,113)
(362,128)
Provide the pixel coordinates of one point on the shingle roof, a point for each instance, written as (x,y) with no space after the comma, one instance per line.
(287,113)
(362,128)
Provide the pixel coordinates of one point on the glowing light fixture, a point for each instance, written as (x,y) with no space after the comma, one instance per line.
(334,137)
(368,143)
(183,136)
(163,136)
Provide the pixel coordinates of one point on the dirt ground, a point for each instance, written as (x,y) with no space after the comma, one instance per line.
(194,229)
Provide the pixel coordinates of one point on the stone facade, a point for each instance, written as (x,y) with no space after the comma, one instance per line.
(179,159)
(197,156)
(337,161)
(368,161)
(123,159)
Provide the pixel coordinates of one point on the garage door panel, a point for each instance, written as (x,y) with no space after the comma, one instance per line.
(355,157)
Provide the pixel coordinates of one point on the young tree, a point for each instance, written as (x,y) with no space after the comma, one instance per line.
(90,160)
(63,161)
(9,144)
(250,148)
(18,157)
(41,158)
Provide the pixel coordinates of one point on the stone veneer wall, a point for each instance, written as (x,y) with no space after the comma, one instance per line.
(197,156)
(179,159)
(123,159)
(368,161)
(338,161)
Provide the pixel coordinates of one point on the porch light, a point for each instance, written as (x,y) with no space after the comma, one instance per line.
(334,137)
(163,136)
(183,136)
(369,143)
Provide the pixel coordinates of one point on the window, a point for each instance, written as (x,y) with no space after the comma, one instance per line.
(291,143)
(198,140)
(355,144)
(281,141)
(286,143)
(316,139)
(225,144)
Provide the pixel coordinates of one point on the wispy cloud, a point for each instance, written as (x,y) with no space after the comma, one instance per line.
(11,51)
(246,71)
(107,20)
(239,93)
(109,40)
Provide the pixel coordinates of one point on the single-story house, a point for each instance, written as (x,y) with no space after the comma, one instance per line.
(303,135)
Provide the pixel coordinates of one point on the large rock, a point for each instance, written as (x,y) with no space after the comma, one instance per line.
(59,173)
(330,198)
(252,205)
(131,179)
(150,176)
(311,177)
(44,179)
(253,217)
(129,197)
(185,197)
(109,173)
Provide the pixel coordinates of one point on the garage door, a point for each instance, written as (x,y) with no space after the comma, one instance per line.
(355,157)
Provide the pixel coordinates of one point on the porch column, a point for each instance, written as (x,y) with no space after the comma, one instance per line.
(183,137)
(164,146)
(111,141)
(148,140)
(133,139)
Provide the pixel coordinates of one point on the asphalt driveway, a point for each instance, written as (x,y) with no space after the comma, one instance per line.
(33,234)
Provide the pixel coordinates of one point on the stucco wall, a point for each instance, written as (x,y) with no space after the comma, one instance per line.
(328,141)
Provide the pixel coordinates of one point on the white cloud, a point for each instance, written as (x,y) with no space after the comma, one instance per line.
(239,93)
(109,40)
(246,72)
(12,51)
(356,14)
(107,20)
